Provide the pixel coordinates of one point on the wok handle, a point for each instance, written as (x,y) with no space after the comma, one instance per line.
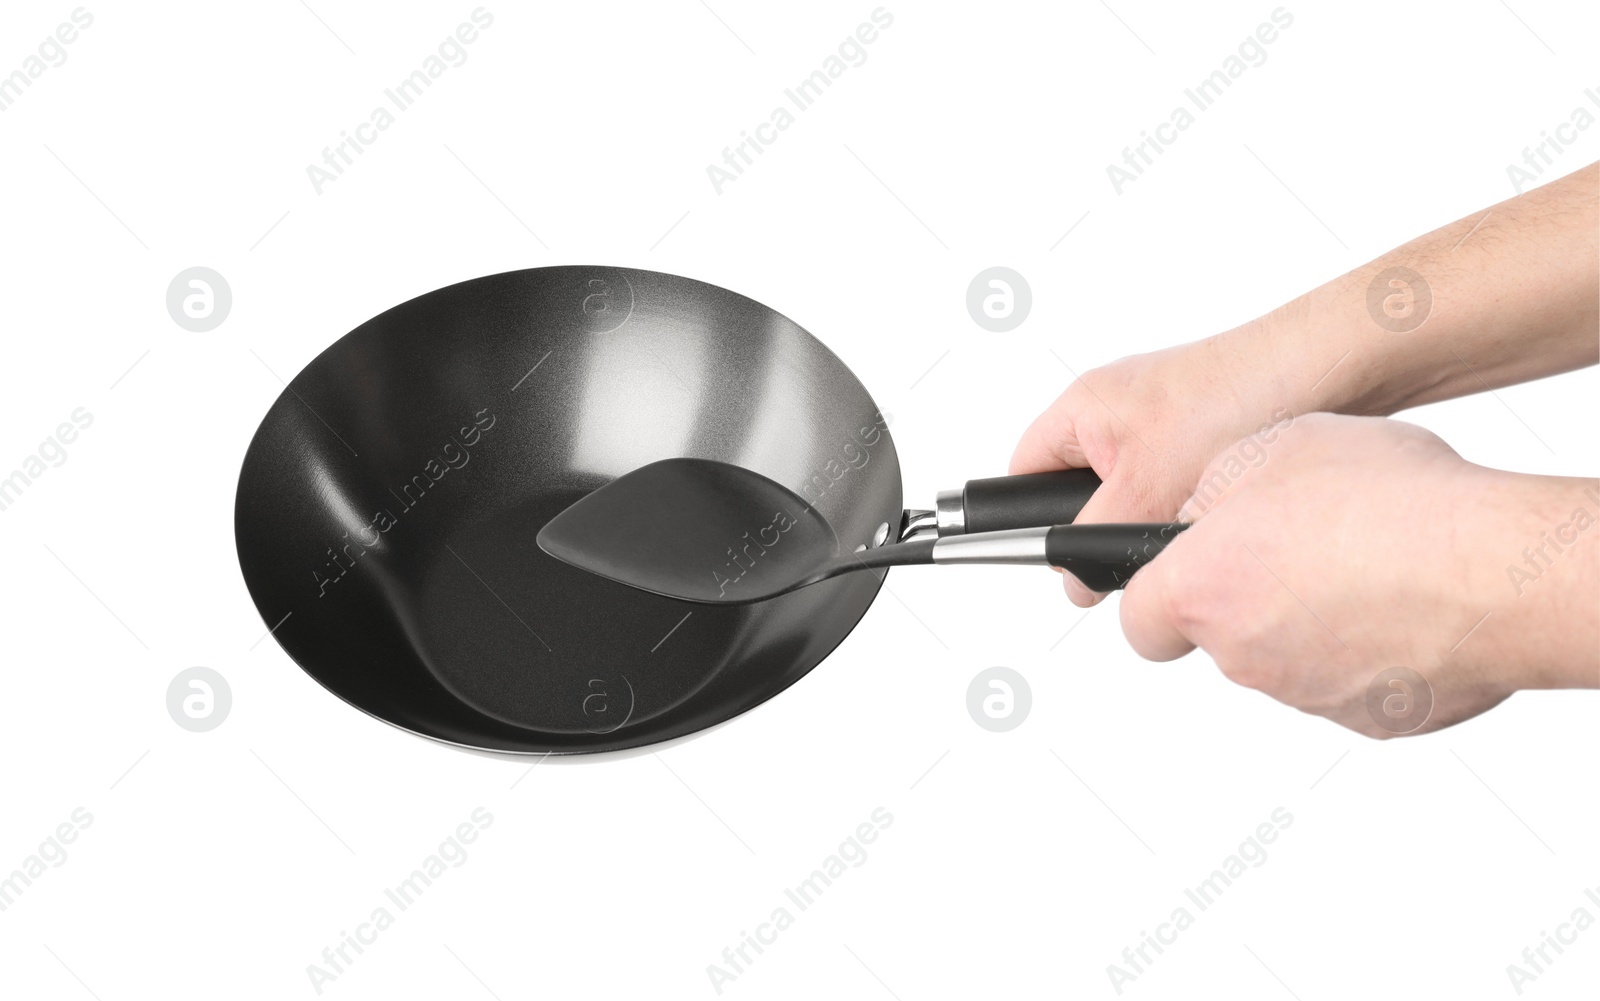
(1104,557)
(1001,503)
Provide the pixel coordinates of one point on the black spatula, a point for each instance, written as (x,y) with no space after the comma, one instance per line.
(716,533)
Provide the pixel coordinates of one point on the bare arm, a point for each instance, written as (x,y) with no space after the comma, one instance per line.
(1505,295)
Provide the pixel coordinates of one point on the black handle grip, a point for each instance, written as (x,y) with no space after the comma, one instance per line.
(1029,501)
(1104,557)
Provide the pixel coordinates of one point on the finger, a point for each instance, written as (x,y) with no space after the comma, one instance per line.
(1148,619)
(1206,497)
(1119,499)
(1077,593)
(1051,442)
(1102,506)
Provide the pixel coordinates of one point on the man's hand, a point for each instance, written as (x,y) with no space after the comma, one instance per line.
(1184,404)
(1345,546)
(1512,293)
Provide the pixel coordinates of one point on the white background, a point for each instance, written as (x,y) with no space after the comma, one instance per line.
(178,134)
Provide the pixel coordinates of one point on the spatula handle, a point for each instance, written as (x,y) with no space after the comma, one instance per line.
(1104,557)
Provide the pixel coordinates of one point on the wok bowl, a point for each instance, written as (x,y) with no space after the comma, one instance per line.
(388,505)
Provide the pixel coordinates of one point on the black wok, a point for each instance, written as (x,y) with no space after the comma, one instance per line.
(389,503)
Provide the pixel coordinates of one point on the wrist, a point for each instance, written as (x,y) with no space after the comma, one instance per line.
(1309,355)
(1368,343)
(1258,364)
(1536,578)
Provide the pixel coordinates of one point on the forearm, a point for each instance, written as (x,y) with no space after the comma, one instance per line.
(1507,294)
(1532,567)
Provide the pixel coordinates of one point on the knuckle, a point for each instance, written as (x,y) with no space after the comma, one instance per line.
(1250,672)
(1185,599)
(1147,496)
(1183,602)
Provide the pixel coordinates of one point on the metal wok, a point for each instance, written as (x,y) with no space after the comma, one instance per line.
(388,505)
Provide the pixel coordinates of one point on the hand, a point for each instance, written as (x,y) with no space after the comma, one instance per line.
(1349,545)
(1185,404)
(1510,294)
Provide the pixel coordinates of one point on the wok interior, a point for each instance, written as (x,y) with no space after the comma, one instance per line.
(390,502)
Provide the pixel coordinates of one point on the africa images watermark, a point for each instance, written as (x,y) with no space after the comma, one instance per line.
(1251,854)
(852,52)
(454,454)
(744,560)
(857,452)
(451,52)
(52,54)
(851,854)
(1536,959)
(1536,562)
(1399,700)
(1247,453)
(1399,299)
(51,854)
(1252,52)
(52,450)
(1543,153)
(451,854)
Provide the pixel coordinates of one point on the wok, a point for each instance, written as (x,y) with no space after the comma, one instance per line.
(389,504)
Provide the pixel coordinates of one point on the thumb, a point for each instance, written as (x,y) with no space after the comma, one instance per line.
(1051,442)
(1148,620)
